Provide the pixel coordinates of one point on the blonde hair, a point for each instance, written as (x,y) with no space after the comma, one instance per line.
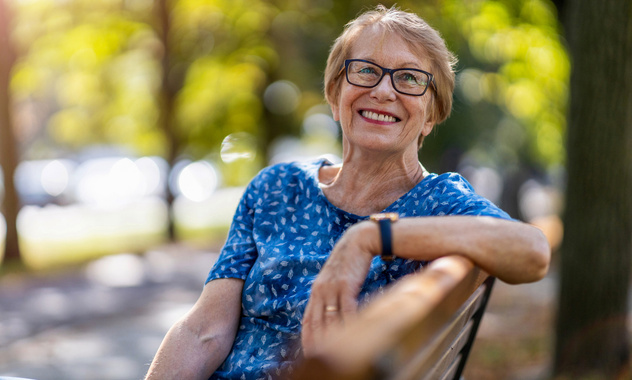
(417,33)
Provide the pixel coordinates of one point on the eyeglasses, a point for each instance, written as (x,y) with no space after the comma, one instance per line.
(367,74)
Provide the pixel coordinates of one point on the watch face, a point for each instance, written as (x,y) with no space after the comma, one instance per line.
(392,216)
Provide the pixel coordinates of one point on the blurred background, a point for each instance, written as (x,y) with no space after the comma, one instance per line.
(136,119)
(135,125)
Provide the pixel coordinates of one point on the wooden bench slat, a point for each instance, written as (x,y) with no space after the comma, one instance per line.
(451,372)
(452,341)
(453,338)
(428,352)
(449,354)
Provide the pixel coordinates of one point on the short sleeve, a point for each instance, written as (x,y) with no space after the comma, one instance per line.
(239,252)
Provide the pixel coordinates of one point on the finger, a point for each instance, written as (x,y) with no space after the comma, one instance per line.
(323,303)
(332,312)
(313,318)
(348,306)
(308,330)
(314,315)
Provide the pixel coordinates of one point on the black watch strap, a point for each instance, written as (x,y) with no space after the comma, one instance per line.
(384,222)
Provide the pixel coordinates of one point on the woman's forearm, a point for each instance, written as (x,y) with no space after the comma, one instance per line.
(197,344)
(514,252)
(184,354)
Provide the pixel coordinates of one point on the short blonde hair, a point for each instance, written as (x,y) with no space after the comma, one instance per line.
(417,33)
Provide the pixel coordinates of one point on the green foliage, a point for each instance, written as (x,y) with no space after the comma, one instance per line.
(95,69)
(225,56)
(512,58)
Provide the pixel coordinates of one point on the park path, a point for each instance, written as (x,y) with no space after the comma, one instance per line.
(105,320)
(102,321)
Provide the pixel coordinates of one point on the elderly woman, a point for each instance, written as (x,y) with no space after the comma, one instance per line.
(311,241)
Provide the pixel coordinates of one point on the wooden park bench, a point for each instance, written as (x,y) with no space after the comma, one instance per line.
(420,328)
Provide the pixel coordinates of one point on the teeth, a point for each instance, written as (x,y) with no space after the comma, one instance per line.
(378,117)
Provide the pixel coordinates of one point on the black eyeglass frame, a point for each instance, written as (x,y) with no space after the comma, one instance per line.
(390,73)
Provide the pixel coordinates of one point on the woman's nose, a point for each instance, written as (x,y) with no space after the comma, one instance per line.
(384,90)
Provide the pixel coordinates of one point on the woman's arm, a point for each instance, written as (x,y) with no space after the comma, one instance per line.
(512,251)
(197,344)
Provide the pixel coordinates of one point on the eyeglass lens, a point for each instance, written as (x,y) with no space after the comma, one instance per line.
(408,81)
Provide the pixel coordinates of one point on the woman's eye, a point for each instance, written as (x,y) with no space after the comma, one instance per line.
(412,79)
(367,70)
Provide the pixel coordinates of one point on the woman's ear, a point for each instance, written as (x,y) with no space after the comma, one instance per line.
(431,117)
(428,126)
(335,112)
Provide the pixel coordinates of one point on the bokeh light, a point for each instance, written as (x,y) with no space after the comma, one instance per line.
(320,124)
(238,146)
(55,178)
(121,270)
(119,179)
(282,97)
(537,200)
(43,181)
(196,181)
(154,172)
(486,181)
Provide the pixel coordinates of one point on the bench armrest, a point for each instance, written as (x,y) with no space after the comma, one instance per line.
(417,326)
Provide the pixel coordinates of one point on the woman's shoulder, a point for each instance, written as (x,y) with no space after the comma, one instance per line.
(447,183)
(291,172)
(452,194)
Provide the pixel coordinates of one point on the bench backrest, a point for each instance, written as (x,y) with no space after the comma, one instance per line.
(421,328)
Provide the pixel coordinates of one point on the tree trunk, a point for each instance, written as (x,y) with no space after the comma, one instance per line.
(8,154)
(592,338)
(167,98)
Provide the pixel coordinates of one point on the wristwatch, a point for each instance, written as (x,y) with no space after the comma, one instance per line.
(384,221)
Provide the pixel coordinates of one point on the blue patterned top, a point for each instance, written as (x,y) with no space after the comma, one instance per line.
(282,233)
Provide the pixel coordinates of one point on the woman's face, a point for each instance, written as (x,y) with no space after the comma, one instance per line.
(380,118)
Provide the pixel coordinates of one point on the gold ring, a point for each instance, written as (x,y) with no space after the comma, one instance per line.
(331,308)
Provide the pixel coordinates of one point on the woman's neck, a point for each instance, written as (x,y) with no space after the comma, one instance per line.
(364,187)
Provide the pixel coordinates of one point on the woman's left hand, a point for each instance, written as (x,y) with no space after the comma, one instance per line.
(335,291)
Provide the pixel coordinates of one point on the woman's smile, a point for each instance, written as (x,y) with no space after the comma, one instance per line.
(380,117)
